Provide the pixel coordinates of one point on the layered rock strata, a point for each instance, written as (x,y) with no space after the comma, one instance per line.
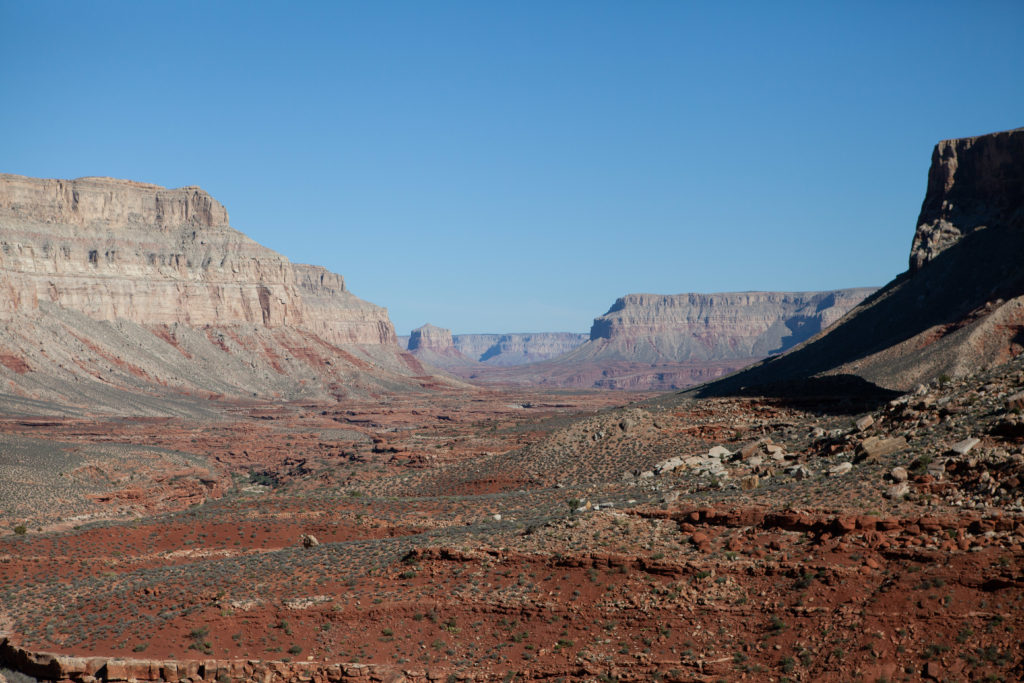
(121,250)
(115,249)
(517,349)
(434,345)
(111,286)
(501,350)
(713,327)
(337,315)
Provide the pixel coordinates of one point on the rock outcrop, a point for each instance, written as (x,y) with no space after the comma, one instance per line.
(48,666)
(973,183)
(712,327)
(960,306)
(431,338)
(111,286)
(434,345)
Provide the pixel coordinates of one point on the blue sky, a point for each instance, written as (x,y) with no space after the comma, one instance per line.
(517,166)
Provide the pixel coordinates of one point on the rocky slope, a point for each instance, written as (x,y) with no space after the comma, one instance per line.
(676,540)
(959,307)
(112,287)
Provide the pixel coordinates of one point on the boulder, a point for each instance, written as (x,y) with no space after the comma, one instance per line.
(898,491)
(875,447)
(1016,402)
(964,447)
(840,469)
(863,423)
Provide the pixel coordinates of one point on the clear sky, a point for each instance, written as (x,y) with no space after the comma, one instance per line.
(516,166)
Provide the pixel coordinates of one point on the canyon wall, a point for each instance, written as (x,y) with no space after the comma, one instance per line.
(494,350)
(958,308)
(117,249)
(713,327)
(337,315)
(517,349)
(112,287)
(973,183)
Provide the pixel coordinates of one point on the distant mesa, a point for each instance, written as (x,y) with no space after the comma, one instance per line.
(959,307)
(431,338)
(659,328)
(672,341)
(517,348)
(490,350)
(644,341)
(111,289)
(434,346)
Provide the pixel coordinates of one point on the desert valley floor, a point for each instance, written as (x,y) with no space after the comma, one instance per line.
(487,534)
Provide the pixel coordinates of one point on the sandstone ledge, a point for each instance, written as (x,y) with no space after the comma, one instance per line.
(67,669)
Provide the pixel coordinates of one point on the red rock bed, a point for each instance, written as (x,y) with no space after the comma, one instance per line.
(481,543)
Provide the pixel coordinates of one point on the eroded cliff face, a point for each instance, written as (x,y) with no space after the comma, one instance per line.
(112,290)
(337,315)
(440,347)
(973,183)
(431,338)
(115,249)
(713,327)
(960,306)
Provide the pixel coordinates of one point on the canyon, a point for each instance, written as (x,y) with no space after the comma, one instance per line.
(851,508)
(646,341)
